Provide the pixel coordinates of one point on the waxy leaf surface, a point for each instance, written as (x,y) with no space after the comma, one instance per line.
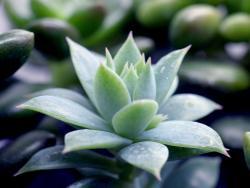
(67,111)
(93,139)
(149,156)
(188,107)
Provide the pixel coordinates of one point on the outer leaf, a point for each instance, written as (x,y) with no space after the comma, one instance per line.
(110,92)
(92,139)
(198,172)
(67,111)
(149,156)
(130,79)
(134,118)
(129,52)
(188,107)
(86,65)
(146,85)
(166,70)
(68,94)
(186,134)
(246,148)
(52,158)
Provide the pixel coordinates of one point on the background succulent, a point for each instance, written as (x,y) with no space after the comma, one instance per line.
(130,110)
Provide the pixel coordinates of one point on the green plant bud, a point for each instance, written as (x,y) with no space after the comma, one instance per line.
(236,27)
(87,19)
(15,48)
(50,36)
(196,25)
(246,148)
(159,12)
(18,152)
(19,12)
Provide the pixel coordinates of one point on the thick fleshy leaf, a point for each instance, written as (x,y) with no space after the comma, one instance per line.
(186,134)
(198,172)
(149,156)
(156,120)
(109,60)
(188,107)
(146,85)
(246,148)
(52,158)
(93,139)
(140,65)
(68,94)
(111,93)
(166,70)
(86,65)
(130,79)
(128,52)
(67,111)
(171,90)
(134,118)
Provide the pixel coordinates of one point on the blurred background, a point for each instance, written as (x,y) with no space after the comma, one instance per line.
(217,67)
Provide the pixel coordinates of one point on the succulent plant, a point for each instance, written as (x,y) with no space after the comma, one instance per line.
(198,23)
(236,27)
(15,48)
(130,111)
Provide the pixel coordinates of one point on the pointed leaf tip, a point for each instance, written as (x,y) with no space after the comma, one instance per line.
(129,52)
(134,118)
(149,156)
(111,93)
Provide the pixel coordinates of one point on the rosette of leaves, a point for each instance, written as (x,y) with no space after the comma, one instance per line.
(129,111)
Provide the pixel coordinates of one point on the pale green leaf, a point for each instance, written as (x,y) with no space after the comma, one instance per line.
(110,92)
(140,65)
(186,134)
(67,111)
(130,79)
(68,94)
(149,156)
(156,120)
(171,90)
(53,158)
(109,60)
(166,70)
(188,107)
(93,139)
(124,70)
(128,52)
(86,65)
(146,85)
(134,118)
